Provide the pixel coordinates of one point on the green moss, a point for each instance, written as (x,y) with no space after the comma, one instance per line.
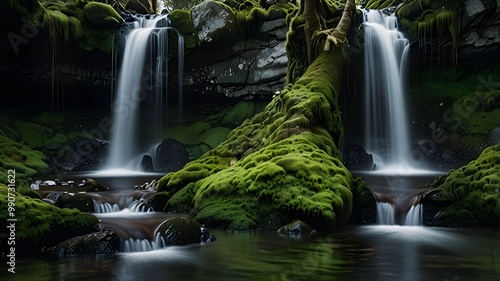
(97,39)
(237,213)
(380,4)
(474,189)
(26,162)
(429,20)
(182,21)
(101,15)
(478,112)
(192,172)
(41,224)
(293,175)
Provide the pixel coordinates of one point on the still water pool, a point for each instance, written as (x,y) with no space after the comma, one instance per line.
(352,253)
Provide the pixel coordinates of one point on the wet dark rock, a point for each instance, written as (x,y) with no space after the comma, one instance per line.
(206,236)
(297,228)
(182,231)
(93,185)
(494,136)
(80,201)
(171,155)
(158,201)
(214,23)
(147,163)
(97,243)
(480,34)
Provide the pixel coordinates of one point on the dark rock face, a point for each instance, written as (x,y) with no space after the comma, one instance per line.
(214,23)
(234,64)
(97,243)
(147,163)
(356,158)
(480,34)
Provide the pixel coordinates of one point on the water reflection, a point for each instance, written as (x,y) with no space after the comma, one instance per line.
(352,253)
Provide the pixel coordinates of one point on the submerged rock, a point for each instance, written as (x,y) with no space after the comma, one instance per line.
(297,228)
(97,243)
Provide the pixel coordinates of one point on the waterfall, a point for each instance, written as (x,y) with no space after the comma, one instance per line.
(132,205)
(142,76)
(386,64)
(385,213)
(143,245)
(414,215)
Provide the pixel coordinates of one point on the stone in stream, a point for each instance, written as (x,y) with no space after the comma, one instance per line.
(97,243)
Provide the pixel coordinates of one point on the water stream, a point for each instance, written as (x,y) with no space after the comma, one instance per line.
(143,76)
(386,64)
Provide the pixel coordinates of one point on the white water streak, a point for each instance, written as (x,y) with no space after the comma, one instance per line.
(386,125)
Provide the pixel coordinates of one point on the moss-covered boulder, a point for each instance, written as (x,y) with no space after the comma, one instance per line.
(468,196)
(101,15)
(40,224)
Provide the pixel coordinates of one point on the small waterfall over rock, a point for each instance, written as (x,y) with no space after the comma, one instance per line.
(142,77)
(133,205)
(386,64)
(387,214)
(143,245)
(414,215)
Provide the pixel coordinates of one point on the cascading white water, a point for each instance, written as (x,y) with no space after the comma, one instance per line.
(386,59)
(386,215)
(132,205)
(134,86)
(143,245)
(414,215)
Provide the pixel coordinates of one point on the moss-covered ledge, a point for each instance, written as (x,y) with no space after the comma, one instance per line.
(281,165)
(40,224)
(468,196)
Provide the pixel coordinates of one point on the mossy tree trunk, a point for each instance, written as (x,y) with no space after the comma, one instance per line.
(284,163)
(317,23)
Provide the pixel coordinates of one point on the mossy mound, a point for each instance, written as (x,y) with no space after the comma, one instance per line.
(101,15)
(292,177)
(474,192)
(25,161)
(282,164)
(40,224)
